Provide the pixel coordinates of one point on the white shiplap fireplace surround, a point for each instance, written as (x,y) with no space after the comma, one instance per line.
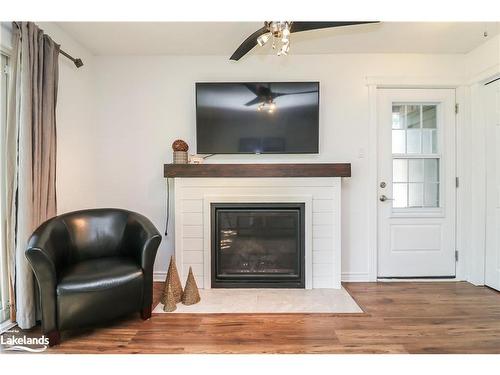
(193,197)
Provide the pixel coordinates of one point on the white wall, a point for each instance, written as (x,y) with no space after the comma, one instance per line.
(144,103)
(483,61)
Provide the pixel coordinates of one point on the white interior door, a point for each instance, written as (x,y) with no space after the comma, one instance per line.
(491,101)
(416,177)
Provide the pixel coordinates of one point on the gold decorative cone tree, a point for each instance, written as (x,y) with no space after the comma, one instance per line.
(175,282)
(191,294)
(169,303)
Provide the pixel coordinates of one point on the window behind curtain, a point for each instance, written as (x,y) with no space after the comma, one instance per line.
(4,288)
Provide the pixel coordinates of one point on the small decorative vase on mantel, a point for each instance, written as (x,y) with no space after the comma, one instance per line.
(180,148)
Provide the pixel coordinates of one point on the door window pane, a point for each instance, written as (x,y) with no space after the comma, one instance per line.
(413,116)
(429,116)
(431,167)
(400,170)
(415,195)
(398,142)
(434,143)
(431,195)
(415,182)
(398,113)
(400,192)
(414,129)
(416,170)
(413,139)
(429,141)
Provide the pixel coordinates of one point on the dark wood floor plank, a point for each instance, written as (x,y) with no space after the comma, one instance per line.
(438,317)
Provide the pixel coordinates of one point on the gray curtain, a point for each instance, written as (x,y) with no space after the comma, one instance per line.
(30,155)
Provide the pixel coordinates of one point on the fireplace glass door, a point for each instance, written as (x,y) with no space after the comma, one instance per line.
(258,245)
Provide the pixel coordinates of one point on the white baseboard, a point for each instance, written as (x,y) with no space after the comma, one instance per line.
(353,277)
(346,276)
(159,275)
(429,280)
(360,277)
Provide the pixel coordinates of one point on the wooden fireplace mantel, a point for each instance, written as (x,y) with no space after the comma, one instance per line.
(258,170)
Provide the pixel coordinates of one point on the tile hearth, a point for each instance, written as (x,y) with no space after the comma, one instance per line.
(247,301)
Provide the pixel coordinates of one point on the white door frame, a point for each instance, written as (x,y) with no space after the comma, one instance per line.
(375,83)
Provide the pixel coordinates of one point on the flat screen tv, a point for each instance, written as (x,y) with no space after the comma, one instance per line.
(257,118)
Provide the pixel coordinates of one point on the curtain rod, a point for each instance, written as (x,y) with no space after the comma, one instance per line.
(78,62)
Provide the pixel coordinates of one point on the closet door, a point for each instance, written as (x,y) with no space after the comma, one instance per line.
(491,100)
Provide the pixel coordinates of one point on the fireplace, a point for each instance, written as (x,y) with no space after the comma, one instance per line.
(257,245)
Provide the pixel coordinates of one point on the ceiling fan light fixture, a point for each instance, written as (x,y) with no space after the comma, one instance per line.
(286,31)
(279,33)
(263,39)
(285,48)
(285,40)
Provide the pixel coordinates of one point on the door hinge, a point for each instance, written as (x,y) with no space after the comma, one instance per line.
(456,108)
(456,255)
(457,182)
(6,69)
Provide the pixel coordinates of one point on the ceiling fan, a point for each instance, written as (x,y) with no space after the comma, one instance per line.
(279,33)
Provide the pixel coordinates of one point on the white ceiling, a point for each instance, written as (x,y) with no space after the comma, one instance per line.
(222,38)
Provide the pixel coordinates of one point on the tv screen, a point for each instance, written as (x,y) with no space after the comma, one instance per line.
(257,118)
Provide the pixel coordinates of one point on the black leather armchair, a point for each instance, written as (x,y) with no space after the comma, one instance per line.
(92,266)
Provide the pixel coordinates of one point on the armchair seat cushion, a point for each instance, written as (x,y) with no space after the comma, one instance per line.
(98,290)
(98,274)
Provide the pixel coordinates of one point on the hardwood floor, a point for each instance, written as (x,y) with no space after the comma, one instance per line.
(447,317)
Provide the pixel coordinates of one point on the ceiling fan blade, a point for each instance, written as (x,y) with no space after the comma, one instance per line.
(248,44)
(305,26)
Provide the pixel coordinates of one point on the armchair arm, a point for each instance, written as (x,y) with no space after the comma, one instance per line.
(45,254)
(142,240)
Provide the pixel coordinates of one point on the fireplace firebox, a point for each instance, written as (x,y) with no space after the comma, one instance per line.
(257,245)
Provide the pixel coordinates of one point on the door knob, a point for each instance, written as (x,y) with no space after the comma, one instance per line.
(383,198)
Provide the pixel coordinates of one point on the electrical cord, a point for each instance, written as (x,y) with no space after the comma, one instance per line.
(168,206)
